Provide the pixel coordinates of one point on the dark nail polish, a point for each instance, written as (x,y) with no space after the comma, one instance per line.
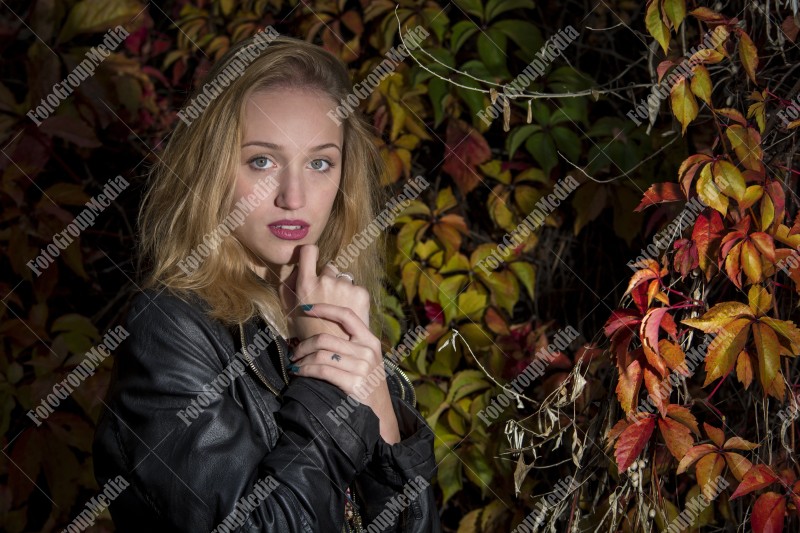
(293,368)
(307,307)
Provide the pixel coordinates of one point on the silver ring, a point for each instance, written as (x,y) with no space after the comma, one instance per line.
(346,275)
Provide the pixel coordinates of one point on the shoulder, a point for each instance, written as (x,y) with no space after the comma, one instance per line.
(161,322)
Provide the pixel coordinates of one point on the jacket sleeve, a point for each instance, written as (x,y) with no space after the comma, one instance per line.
(216,469)
(396,486)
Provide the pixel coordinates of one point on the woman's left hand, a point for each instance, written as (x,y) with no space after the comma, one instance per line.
(354,365)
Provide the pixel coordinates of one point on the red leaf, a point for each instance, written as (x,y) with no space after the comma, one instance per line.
(465,149)
(660,193)
(632,441)
(628,386)
(756,478)
(768,513)
(621,318)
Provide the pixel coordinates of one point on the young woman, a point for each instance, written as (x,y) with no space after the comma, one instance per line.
(212,419)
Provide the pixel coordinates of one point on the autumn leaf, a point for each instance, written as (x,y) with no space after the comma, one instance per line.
(709,192)
(709,468)
(716,435)
(659,193)
(675,11)
(748,54)
(632,441)
(758,109)
(769,360)
(729,179)
(693,454)
(465,149)
(628,386)
(718,316)
(684,105)
(746,143)
(677,437)
(655,25)
(768,513)
(722,355)
(756,478)
(701,83)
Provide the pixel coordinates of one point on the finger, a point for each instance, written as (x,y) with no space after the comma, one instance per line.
(307,269)
(351,323)
(348,363)
(331,344)
(332,374)
(329,270)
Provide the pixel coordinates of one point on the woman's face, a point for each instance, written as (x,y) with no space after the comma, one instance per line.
(288,137)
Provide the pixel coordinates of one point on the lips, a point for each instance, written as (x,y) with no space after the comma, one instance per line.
(289,229)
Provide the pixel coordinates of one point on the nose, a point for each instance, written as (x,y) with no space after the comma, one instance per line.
(291,189)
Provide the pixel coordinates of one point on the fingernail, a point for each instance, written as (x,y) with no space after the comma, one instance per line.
(307,307)
(293,368)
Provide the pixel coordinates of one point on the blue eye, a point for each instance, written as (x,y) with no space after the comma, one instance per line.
(330,165)
(257,166)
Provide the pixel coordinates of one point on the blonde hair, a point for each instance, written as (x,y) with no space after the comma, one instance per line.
(190,188)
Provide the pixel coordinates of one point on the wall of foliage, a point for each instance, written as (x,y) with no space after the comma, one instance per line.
(621,412)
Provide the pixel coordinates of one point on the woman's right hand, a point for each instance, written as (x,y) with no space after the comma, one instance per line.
(304,286)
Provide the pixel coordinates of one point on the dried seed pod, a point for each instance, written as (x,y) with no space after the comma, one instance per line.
(493,95)
(506,114)
(529,112)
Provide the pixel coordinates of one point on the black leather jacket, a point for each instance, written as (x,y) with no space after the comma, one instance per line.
(191,477)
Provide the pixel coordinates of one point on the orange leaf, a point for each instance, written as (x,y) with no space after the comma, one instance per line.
(648,269)
(756,478)
(632,441)
(684,416)
(659,390)
(707,15)
(659,193)
(628,386)
(677,436)
(694,453)
(748,54)
(738,443)
(648,332)
(707,470)
(739,465)
(744,369)
(768,513)
(716,435)
(684,105)
(672,353)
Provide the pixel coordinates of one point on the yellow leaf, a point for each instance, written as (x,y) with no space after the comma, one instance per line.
(709,193)
(719,315)
(769,360)
(748,54)
(675,11)
(684,105)
(722,354)
(701,84)
(746,143)
(655,25)
(751,262)
(760,300)
(729,179)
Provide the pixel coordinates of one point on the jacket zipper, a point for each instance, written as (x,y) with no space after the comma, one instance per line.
(396,368)
(255,369)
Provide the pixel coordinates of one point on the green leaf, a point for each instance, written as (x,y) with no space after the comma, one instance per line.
(462,31)
(90,16)
(519,135)
(525,35)
(543,150)
(498,7)
(567,142)
(492,46)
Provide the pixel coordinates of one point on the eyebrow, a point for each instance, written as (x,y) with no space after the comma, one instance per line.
(279,147)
